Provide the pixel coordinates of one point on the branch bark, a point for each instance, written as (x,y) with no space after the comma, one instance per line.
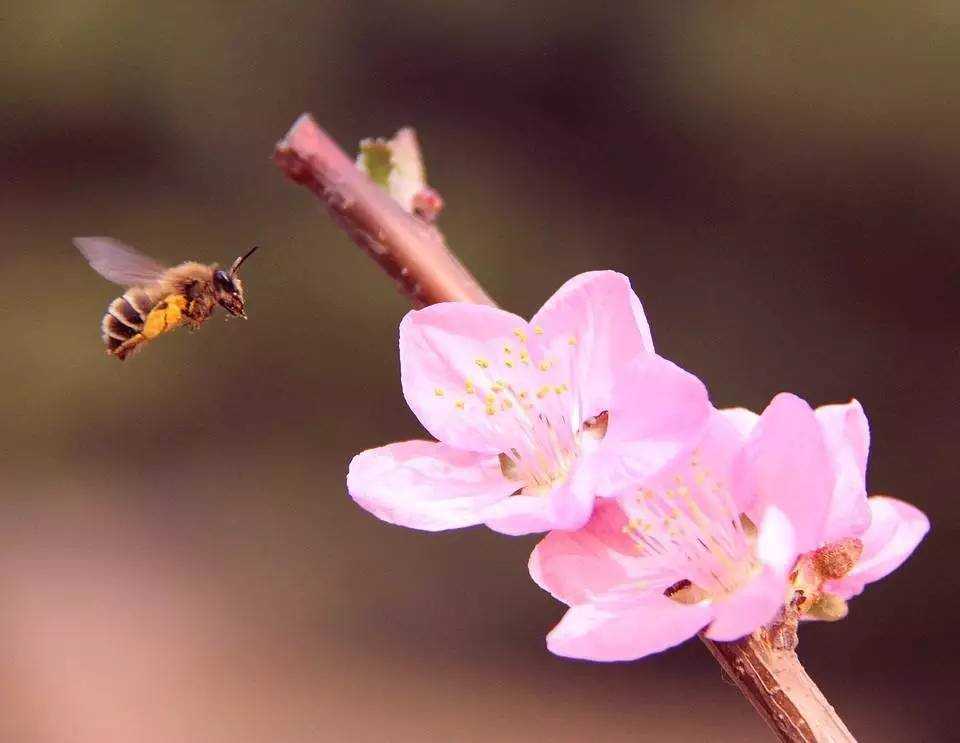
(412,252)
(415,255)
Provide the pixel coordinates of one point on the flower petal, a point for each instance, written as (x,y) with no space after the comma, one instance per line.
(626,629)
(895,530)
(427,485)
(659,412)
(750,607)
(598,318)
(785,463)
(847,435)
(449,355)
(776,543)
(579,566)
(742,419)
(567,506)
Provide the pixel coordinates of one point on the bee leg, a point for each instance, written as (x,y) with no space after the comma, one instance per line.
(128,347)
(197,311)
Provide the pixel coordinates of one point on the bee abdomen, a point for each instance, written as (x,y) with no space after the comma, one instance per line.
(121,309)
(125,318)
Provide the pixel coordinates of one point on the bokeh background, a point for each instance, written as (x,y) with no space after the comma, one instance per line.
(179,560)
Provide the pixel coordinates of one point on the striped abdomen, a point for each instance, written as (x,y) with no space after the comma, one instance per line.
(124,321)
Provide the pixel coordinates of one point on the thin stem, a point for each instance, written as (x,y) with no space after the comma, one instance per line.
(416,256)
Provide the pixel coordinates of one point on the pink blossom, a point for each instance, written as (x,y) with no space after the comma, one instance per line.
(532,419)
(719,542)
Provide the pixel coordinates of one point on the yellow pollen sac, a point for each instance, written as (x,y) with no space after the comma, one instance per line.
(491,410)
(489,399)
(524,357)
(538,330)
(482,363)
(508,363)
(459,404)
(438,392)
(506,350)
(543,391)
(496,387)
(522,395)
(521,336)
(469,387)
(505,405)
(572,340)
(560,389)
(543,365)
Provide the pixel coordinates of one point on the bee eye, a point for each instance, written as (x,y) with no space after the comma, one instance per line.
(222,281)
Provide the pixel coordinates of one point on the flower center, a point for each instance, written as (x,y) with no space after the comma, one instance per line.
(525,390)
(694,541)
(545,455)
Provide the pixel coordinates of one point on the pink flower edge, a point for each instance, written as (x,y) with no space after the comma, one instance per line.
(896,528)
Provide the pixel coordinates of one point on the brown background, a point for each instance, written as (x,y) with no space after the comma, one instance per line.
(178,558)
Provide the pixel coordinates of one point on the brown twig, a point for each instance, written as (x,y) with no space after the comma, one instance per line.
(415,254)
(411,251)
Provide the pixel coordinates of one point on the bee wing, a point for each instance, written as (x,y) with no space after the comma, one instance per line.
(118,262)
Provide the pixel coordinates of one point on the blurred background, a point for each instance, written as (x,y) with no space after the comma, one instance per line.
(179,560)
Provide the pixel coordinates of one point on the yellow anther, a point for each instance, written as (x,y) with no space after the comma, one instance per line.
(560,389)
(506,350)
(524,357)
(543,391)
(469,386)
(459,404)
(505,404)
(522,395)
(491,410)
(508,363)
(572,340)
(482,363)
(496,387)
(490,398)
(521,336)
(538,330)
(544,365)
(438,392)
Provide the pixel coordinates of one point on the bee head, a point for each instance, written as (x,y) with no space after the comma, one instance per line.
(228,289)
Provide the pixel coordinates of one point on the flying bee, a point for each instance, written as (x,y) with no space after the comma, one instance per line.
(158,299)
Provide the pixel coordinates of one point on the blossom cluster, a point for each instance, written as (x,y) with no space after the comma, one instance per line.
(665,516)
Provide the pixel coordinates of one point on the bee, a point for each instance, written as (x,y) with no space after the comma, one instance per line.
(158,299)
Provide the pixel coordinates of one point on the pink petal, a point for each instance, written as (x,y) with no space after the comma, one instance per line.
(567,506)
(750,607)
(578,566)
(776,542)
(625,629)
(427,485)
(659,412)
(785,463)
(895,530)
(598,317)
(742,419)
(443,347)
(847,435)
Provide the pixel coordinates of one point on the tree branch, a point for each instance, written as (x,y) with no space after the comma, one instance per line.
(414,254)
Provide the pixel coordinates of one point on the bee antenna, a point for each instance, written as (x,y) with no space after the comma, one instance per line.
(236,264)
